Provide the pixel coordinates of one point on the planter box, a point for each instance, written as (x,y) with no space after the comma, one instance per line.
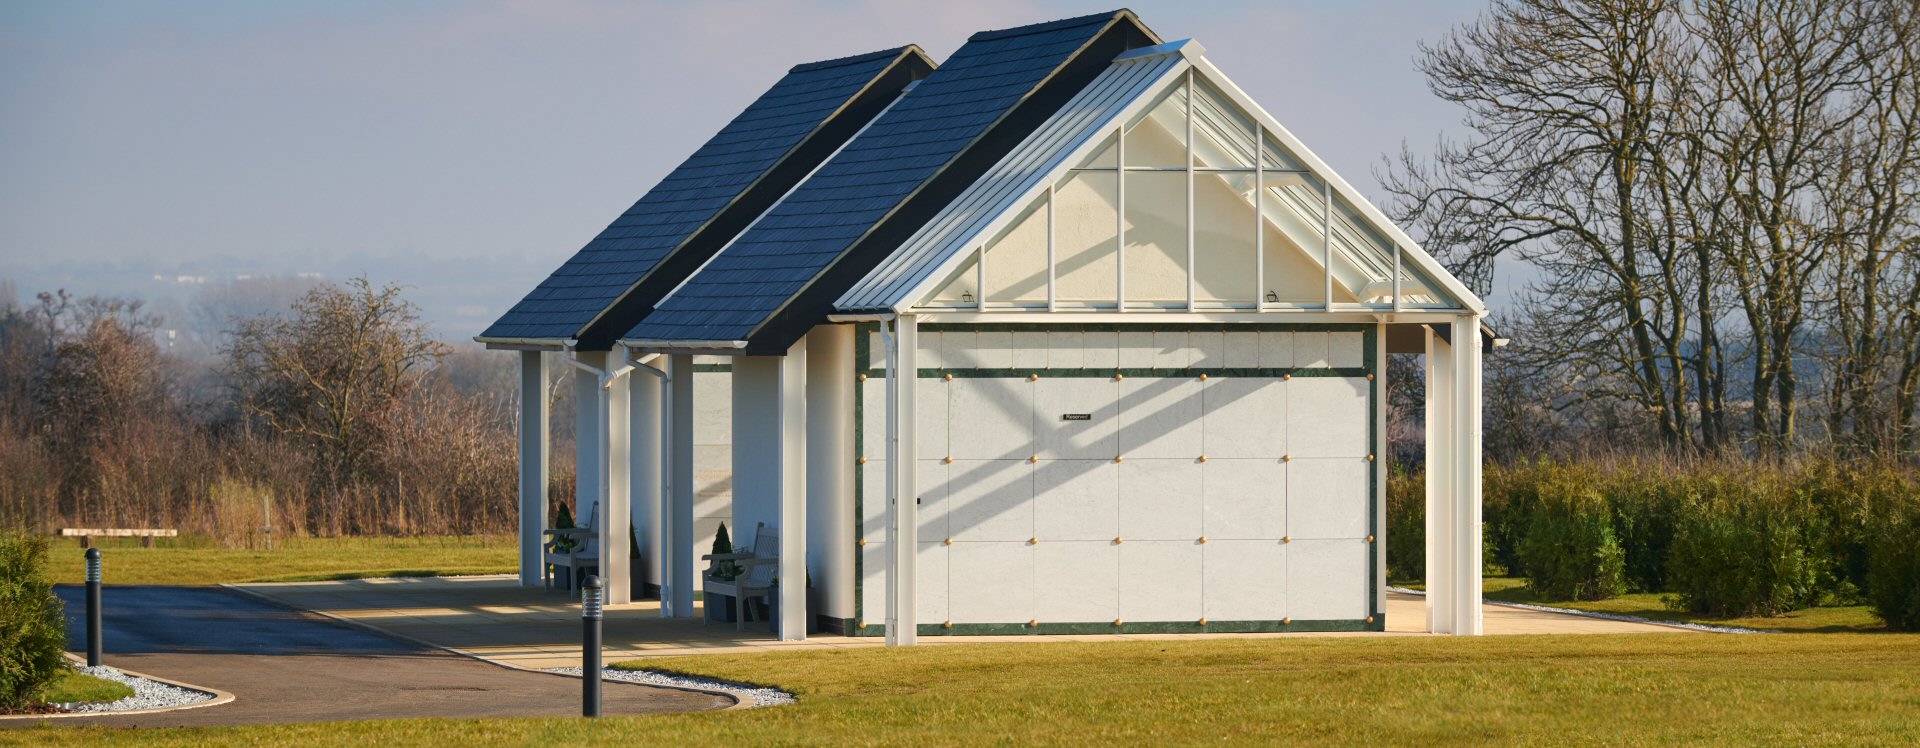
(773,611)
(637,578)
(720,608)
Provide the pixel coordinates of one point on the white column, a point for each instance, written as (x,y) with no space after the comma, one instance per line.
(646,449)
(677,554)
(586,438)
(903,523)
(1381,454)
(793,493)
(830,460)
(533,465)
(769,469)
(1440,486)
(1466,476)
(614,522)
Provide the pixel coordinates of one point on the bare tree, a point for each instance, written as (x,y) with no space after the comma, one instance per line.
(331,373)
(1704,185)
(1567,100)
(1869,205)
(1792,75)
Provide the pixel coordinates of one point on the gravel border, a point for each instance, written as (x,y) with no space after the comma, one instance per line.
(750,696)
(147,694)
(1702,627)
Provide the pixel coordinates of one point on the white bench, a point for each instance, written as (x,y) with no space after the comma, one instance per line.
(87,534)
(759,566)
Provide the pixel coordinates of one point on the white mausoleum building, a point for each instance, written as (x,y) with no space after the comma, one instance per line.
(1065,334)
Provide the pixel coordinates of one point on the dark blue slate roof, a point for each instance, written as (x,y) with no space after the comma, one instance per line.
(930,127)
(691,196)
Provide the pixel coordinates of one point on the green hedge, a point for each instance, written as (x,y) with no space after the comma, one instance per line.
(1893,566)
(1749,547)
(1722,538)
(1406,527)
(32,629)
(1569,549)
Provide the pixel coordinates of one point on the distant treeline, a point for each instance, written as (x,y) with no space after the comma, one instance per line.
(334,414)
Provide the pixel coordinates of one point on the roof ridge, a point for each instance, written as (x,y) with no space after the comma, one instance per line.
(1037,28)
(852,59)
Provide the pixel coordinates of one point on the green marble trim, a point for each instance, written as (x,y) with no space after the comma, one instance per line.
(1146,627)
(712,368)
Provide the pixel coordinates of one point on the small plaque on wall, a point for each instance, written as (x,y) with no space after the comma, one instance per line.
(1076,416)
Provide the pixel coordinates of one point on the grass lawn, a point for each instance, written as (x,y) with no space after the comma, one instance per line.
(291,560)
(1650,689)
(76,686)
(1839,619)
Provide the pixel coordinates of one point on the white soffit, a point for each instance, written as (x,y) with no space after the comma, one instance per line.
(1131,84)
(1069,136)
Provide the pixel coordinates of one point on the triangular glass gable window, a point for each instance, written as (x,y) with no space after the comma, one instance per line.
(1198,226)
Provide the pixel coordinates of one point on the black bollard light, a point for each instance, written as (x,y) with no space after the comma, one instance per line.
(590,599)
(93,607)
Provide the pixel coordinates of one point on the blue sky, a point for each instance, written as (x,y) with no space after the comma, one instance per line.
(466,148)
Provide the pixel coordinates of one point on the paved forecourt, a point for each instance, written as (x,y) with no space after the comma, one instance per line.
(492,617)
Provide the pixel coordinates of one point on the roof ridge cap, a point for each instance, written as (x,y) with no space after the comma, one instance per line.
(1045,26)
(855,59)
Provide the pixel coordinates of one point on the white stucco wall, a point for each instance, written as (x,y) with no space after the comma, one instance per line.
(1025,516)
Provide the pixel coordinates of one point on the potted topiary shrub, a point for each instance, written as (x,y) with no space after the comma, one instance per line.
(721,607)
(562,520)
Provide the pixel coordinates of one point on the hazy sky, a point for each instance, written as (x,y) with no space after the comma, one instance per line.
(466,148)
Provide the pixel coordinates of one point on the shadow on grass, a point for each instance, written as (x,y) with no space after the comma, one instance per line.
(337,576)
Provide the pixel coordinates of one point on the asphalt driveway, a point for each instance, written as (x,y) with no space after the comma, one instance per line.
(283,665)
